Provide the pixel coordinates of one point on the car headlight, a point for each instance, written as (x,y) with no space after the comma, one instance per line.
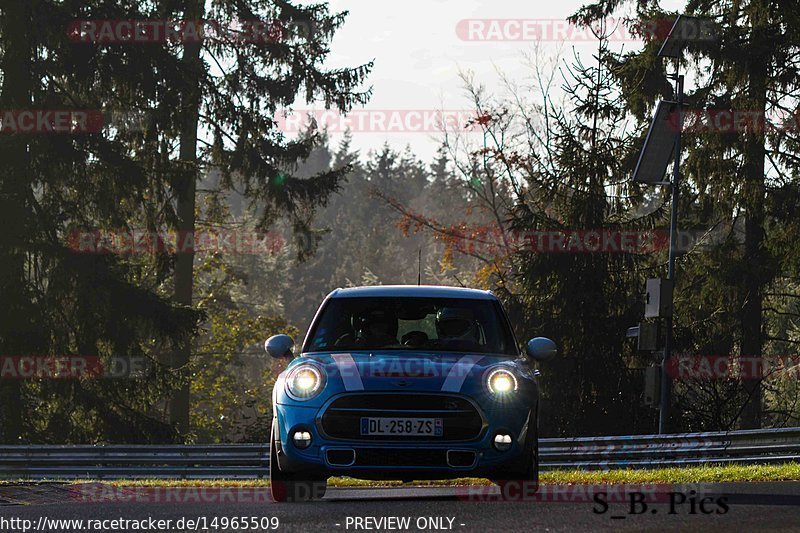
(305,381)
(501,381)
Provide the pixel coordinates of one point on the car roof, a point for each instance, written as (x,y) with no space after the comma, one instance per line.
(414,291)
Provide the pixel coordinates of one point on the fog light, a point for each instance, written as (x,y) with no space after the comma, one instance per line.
(302,439)
(502,442)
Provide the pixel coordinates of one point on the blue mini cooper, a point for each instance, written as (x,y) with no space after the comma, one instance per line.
(404,382)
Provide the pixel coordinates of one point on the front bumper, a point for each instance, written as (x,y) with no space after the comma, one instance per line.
(388,458)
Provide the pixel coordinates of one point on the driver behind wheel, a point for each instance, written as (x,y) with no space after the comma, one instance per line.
(375,329)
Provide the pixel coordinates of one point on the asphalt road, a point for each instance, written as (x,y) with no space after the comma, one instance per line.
(745,507)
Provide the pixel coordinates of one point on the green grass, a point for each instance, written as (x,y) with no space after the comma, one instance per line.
(696,474)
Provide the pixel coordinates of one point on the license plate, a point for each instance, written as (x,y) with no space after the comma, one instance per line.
(415,427)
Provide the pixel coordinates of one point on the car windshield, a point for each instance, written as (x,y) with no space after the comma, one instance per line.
(413,324)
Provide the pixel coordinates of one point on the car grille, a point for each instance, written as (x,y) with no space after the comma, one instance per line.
(460,419)
(402,457)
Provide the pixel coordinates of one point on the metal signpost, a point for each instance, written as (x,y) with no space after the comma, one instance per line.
(662,144)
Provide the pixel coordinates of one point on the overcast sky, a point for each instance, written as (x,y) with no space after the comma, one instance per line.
(420,48)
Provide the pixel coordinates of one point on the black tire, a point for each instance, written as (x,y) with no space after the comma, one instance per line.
(522,481)
(289,487)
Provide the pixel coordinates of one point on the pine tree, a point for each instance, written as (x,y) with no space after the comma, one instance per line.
(734,180)
(547,168)
(585,300)
(121,178)
(251,154)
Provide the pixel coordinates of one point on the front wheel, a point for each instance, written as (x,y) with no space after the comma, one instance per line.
(288,486)
(522,482)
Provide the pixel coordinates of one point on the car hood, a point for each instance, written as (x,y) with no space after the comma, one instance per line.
(413,371)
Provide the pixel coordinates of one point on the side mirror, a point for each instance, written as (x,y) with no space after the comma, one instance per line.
(541,349)
(279,346)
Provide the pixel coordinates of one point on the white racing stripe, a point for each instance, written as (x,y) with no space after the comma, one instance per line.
(455,378)
(348,370)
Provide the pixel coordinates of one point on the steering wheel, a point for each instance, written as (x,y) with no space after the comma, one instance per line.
(414,338)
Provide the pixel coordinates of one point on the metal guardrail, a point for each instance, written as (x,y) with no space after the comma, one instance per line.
(252,460)
(134,461)
(760,446)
